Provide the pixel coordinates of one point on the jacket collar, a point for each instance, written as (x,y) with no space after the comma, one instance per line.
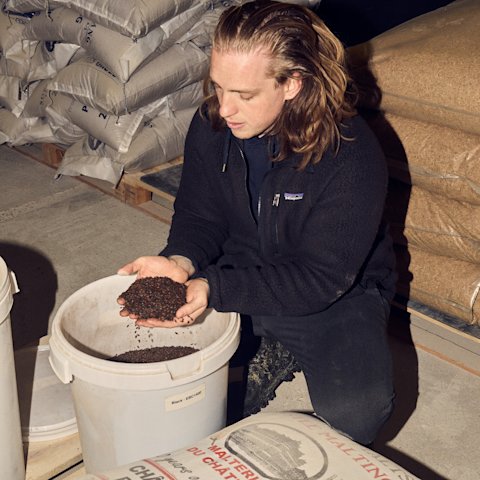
(292,161)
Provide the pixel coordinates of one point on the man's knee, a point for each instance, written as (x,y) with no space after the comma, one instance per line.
(359,419)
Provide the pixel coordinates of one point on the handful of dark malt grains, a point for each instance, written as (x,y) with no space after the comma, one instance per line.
(154,297)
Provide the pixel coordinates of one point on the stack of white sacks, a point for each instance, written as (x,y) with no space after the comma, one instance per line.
(116,83)
(427,71)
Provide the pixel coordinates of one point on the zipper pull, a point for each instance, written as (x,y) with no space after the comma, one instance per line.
(276,200)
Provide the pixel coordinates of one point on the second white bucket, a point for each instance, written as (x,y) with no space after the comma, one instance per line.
(12,465)
(128,411)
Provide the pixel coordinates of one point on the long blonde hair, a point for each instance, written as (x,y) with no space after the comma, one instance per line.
(299,44)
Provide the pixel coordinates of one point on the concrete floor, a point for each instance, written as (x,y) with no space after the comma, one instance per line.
(59,235)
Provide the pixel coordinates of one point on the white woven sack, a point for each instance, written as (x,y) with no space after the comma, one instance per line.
(80,159)
(37,101)
(11,29)
(118,131)
(177,27)
(3,138)
(202,32)
(7,125)
(162,140)
(135,18)
(47,60)
(15,53)
(185,98)
(28,6)
(64,130)
(120,54)
(89,82)
(20,131)
(17,63)
(32,60)
(12,94)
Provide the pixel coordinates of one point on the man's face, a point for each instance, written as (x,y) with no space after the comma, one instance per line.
(250,101)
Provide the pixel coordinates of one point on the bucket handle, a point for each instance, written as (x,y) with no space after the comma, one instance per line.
(13,282)
(60,368)
(182,370)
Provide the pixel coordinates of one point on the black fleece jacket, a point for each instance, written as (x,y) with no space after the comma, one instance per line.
(319,235)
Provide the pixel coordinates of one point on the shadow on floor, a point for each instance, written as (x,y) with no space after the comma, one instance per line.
(405,362)
(33,304)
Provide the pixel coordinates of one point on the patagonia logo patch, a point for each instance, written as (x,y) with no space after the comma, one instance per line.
(292,196)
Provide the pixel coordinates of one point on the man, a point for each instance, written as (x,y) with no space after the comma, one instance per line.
(278,214)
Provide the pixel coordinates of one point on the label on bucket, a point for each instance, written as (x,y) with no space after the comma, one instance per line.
(185,399)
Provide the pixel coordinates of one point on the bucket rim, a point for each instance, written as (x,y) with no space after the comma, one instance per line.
(70,362)
(140,367)
(4,280)
(6,291)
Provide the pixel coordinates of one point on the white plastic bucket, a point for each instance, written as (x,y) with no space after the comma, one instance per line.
(11,447)
(38,390)
(126,411)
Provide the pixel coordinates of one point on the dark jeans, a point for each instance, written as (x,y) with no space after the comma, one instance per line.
(344,354)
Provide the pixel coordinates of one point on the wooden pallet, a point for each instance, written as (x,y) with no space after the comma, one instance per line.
(130,190)
(435,337)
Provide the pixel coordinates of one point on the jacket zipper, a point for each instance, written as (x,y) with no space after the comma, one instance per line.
(275,204)
(276,199)
(245,185)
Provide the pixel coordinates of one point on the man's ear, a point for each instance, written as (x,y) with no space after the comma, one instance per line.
(292,86)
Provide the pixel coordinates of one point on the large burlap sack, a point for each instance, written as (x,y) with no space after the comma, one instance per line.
(427,68)
(442,283)
(440,159)
(118,131)
(89,82)
(159,141)
(434,223)
(266,446)
(120,54)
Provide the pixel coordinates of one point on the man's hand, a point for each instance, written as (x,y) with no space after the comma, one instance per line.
(176,267)
(197,301)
